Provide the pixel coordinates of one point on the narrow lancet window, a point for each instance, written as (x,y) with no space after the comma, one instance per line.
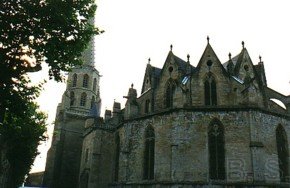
(83,99)
(95,85)
(72,98)
(282,150)
(170,90)
(85,80)
(92,101)
(216,151)
(75,79)
(147,106)
(149,154)
(210,92)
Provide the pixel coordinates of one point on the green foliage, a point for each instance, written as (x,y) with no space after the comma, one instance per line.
(22,135)
(32,33)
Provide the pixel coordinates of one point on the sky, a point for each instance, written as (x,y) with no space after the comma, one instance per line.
(136,30)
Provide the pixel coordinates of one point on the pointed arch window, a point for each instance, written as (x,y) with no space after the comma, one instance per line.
(282,150)
(85,80)
(117,156)
(92,101)
(210,92)
(170,90)
(83,99)
(75,79)
(72,98)
(147,106)
(95,85)
(216,151)
(149,154)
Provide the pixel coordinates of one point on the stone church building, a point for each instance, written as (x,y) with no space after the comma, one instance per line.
(213,124)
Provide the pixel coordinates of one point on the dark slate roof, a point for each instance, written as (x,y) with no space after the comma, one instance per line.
(234,60)
(182,65)
(156,71)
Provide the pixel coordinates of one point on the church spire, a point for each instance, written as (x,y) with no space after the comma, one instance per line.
(88,55)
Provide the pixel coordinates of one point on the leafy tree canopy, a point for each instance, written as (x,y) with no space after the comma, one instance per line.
(23,134)
(32,32)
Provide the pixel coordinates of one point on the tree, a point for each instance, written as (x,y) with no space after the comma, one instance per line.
(32,33)
(22,134)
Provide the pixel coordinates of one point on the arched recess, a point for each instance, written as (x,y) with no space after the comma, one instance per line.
(83,99)
(72,98)
(92,101)
(149,151)
(210,90)
(283,153)
(169,93)
(94,84)
(147,106)
(74,80)
(117,157)
(85,80)
(216,150)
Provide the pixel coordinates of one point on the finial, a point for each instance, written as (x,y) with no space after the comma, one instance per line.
(243,44)
(171,47)
(207,38)
(132,85)
(188,56)
(149,60)
(230,56)
(260,58)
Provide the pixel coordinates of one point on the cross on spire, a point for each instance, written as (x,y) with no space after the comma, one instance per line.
(171,47)
(207,38)
(243,44)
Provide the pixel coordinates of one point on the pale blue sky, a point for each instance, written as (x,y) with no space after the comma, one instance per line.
(138,29)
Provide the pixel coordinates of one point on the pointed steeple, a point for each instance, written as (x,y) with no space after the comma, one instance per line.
(88,55)
(230,65)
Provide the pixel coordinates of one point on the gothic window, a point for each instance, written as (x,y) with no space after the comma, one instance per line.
(210,93)
(92,101)
(72,98)
(149,154)
(282,150)
(85,80)
(75,79)
(216,151)
(170,90)
(83,99)
(147,106)
(87,155)
(95,85)
(117,156)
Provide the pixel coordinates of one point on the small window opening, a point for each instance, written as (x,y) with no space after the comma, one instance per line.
(209,63)
(246,67)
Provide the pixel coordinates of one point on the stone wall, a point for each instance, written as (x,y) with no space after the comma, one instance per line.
(181,146)
(97,158)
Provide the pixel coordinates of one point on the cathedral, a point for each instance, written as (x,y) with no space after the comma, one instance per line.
(212,124)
